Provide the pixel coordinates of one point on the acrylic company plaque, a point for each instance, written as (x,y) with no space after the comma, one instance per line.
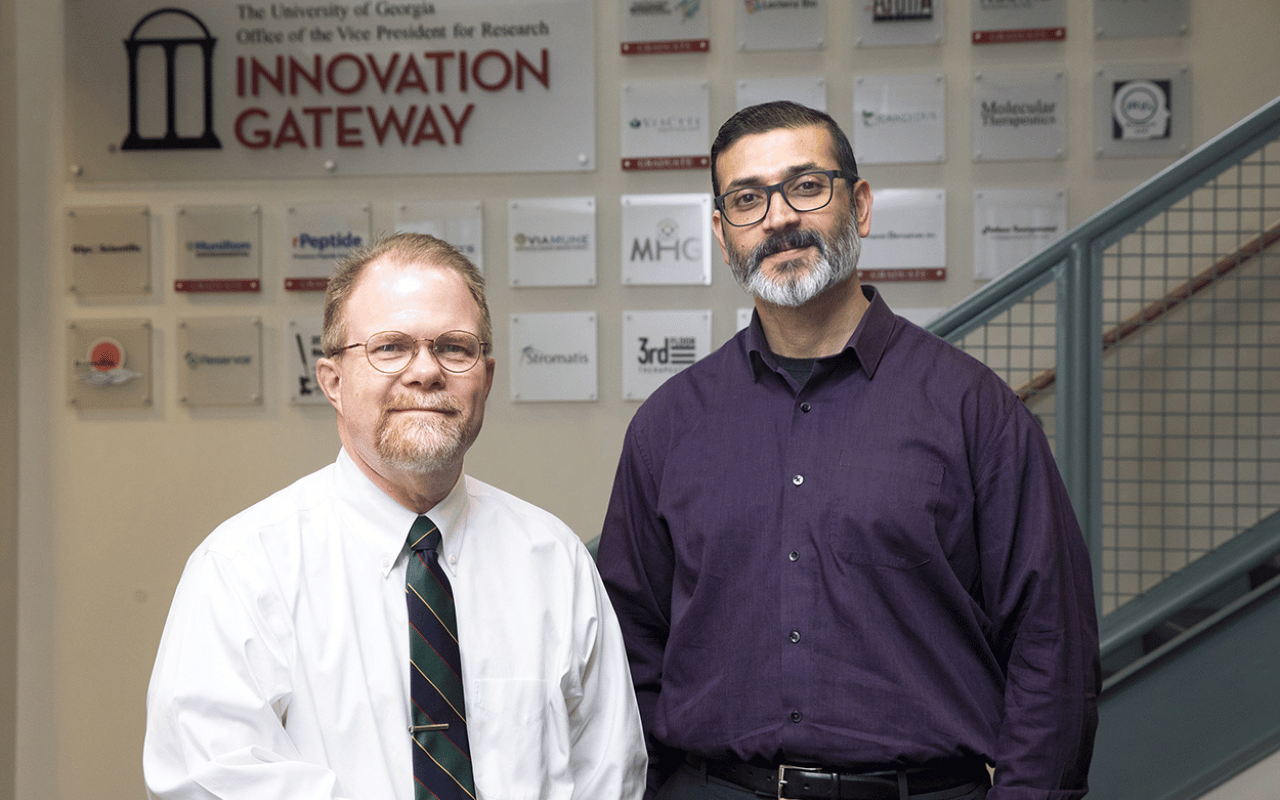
(666,239)
(319,237)
(809,91)
(1116,19)
(1011,225)
(109,363)
(1019,114)
(658,344)
(896,23)
(1142,110)
(109,249)
(302,349)
(460,223)
(908,239)
(771,25)
(551,241)
(554,357)
(665,27)
(1010,21)
(665,124)
(220,361)
(899,119)
(219,249)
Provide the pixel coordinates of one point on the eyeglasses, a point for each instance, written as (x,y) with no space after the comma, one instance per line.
(808,191)
(390,352)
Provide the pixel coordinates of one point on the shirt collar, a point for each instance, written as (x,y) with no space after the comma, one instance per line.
(384,523)
(866,344)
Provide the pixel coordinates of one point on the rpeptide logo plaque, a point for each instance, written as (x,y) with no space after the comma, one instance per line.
(320,236)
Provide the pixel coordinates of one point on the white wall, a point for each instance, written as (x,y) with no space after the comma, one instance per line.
(111,504)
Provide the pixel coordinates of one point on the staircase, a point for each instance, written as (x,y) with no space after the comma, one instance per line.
(1147,340)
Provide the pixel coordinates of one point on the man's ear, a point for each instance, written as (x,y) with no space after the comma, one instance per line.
(862,206)
(329,376)
(490,368)
(718,230)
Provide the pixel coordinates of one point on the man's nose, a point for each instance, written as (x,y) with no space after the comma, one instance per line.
(423,366)
(779,215)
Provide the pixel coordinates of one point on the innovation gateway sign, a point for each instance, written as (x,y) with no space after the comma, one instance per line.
(216,89)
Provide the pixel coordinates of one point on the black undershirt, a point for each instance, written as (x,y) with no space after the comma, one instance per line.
(800,368)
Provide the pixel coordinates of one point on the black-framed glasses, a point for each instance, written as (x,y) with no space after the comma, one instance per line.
(808,191)
(391,352)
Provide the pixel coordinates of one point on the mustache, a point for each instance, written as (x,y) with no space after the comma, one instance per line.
(431,402)
(789,240)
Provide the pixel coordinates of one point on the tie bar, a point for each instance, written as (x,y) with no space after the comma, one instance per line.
(444,726)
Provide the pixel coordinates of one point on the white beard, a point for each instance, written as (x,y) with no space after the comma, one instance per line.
(792,284)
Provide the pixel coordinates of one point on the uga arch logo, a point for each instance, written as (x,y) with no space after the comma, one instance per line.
(174,33)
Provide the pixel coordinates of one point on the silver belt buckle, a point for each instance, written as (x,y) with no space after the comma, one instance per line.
(782,778)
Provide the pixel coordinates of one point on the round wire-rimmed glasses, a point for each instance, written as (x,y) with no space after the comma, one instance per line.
(808,191)
(391,352)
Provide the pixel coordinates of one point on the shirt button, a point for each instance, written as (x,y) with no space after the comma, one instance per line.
(796,716)
(805,407)
(385,563)
(795,637)
(453,559)
(797,480)
(793,555)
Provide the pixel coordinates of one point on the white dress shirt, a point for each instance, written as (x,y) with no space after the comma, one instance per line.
(283,668)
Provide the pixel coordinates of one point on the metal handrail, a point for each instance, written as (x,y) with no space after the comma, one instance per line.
(1074,263)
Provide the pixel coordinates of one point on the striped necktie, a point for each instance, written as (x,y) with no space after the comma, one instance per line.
(441,754)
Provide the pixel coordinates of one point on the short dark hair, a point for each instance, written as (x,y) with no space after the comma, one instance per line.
(406,248)
(780,114)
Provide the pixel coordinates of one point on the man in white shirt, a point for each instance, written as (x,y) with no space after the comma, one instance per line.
(283,670)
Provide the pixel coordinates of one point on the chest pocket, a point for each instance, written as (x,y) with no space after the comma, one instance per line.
(510,738)
(893,521)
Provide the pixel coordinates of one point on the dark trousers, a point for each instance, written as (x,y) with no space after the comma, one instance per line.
(689,783)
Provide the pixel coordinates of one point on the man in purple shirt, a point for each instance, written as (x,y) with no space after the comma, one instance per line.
(838,542)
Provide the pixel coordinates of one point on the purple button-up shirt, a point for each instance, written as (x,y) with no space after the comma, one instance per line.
(879,568)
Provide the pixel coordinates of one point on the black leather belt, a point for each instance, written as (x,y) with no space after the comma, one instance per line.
(811,783)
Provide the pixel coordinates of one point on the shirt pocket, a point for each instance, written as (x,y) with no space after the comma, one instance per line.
(510,739)
(894,524)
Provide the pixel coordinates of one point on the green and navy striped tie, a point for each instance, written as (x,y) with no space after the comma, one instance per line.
(441,753)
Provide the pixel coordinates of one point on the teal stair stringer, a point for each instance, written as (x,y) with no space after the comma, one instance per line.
(1196,711)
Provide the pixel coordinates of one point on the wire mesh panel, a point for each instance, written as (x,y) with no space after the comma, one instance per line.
(1020,345)
(1190,429)
(1191,378)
